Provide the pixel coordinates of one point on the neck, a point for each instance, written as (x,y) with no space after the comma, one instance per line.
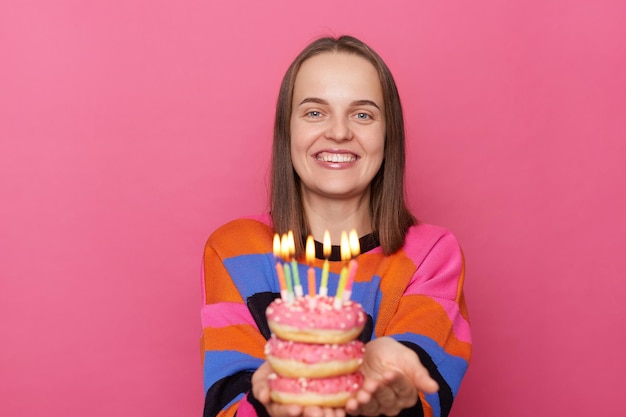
(337,216)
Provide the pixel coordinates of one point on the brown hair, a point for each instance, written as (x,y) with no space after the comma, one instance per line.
(391,217)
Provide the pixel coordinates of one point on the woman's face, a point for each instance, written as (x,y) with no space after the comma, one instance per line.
(337,126)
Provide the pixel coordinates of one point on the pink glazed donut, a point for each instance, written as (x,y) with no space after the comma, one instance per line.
(323,392)
(297,359)
(315,320)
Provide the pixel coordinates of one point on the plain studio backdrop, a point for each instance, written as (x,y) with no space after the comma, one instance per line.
(129,130)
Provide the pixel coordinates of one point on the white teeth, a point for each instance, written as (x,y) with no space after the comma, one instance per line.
(336,157)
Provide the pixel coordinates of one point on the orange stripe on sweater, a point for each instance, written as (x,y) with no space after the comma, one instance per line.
(422,315)
(392,269)
(428,411)
(461,298)
(218,285)
(230,245)
(242,337)
(230,411)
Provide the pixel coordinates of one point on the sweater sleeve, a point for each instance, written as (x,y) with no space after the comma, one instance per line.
(233,329)
(432,319)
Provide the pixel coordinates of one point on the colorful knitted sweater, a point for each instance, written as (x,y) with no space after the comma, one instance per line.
(414,296)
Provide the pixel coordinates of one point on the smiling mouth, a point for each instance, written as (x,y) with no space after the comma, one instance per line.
(335,157)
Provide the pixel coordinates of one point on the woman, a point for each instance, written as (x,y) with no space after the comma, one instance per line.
(338,164)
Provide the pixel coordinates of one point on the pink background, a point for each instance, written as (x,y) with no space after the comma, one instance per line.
(129,130)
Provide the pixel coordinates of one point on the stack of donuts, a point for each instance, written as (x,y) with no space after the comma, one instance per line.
(313,350)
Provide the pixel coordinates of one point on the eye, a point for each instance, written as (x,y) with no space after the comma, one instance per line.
(314,114)
(363,116)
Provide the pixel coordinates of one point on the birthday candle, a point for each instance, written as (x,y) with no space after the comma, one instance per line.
(310,256)
(294,265)
(284,250)
(345,257)
(325,268)
(279,269)
(289,282)
(355,250)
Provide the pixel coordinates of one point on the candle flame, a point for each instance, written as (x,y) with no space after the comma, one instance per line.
(276,245)
(345,247)
(284,247)
(292,244)
(355,248)
(327,247)
(310,250)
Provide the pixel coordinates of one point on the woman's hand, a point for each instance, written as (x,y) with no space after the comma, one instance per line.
(261,391)
(393,377)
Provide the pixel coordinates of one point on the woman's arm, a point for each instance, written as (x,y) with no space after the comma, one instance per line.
(232,346)
(429,330)
(236,290)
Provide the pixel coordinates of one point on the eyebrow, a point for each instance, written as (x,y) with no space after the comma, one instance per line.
(353,104)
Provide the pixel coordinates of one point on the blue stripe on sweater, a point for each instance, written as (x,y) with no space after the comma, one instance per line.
(435,404)
(252,274)
(220,364)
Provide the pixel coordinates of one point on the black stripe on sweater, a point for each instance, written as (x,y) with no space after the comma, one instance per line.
(224,391)
(257,304)
(258,407)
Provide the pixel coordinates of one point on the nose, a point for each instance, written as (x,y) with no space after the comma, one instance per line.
(338,129)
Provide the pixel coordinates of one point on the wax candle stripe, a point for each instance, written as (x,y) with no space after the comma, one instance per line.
(284,251)
(351,274)
(355,250)
(341,285)
(279,268)
(311,281)
(343,277)
(288,280)
(294,265)
(310,257)
(282,282)
(326,267)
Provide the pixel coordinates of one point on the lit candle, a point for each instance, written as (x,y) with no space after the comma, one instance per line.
(325,268)
(284,251)
(355,250)
(345,257)
(279,269)
(310,257)
(294,265)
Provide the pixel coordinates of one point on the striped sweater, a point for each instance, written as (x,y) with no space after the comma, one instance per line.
(414,296)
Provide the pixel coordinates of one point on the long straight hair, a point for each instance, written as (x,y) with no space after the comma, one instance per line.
(390,215)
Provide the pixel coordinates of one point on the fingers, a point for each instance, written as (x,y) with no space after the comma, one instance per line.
(423,381)
(394,392)
(284,410)
(323,412)
(403,390)
(260,386)
(337,412)
(293,410)
(362,396)
(407,362)
(375,398)
(383,401)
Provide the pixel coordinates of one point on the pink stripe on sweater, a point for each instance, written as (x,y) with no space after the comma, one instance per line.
(460,326)
(439,261)
(225,314)
(245,408)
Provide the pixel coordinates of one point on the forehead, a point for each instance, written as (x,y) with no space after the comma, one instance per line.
(330,71)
